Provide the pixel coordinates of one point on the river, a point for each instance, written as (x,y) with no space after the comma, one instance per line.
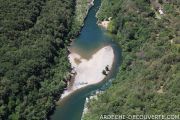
(91,39)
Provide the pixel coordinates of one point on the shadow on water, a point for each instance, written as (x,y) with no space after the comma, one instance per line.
(91,39)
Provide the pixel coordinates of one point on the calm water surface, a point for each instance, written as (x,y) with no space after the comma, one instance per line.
(91,39)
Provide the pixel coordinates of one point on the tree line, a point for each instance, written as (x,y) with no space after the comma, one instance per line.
(148,79)
(34,35)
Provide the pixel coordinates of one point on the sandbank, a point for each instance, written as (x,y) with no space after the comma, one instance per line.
(89,72)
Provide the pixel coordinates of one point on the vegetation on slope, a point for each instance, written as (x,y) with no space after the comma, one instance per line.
(81,9)
(33,56)
(148,79)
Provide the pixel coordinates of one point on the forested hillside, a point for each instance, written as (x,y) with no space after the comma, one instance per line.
(81,10)
(148,79)
(33,56)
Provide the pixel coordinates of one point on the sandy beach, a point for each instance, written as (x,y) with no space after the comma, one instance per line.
(89,72)
(105,23)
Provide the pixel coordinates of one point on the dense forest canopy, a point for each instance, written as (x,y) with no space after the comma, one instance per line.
(148,79)
(34,35)
(33,56)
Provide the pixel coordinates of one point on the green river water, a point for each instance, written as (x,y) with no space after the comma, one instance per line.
(91,39)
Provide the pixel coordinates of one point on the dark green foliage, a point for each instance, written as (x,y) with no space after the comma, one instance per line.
(148,80)
(33,56)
